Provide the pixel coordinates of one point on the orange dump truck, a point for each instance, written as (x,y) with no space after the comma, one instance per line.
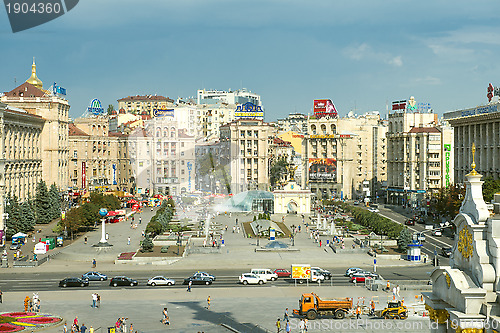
(310,305)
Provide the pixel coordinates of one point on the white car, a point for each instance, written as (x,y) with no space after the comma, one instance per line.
(352,270)
(160,281)
(265,273)
(373,210)
(437,233)
(249,278)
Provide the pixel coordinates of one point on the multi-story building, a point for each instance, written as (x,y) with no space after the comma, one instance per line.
(245,149)
(479,125)
(419,155)
(20,157)
(241,96)
(213,117)
(211,176)
(145,103)
(141,161)
(343,157)
(31,97)
(295,122)
(99,158)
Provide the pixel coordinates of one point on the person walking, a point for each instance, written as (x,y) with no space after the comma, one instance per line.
(388,286)
(208,303)
(320,243)
(285,315)
(1,301)
(91,329)
(287,327)
(397,291)
(278,325)
(301,326)
(140,220)
(83,328)
(98,300)
(65,328)
(85,239)
(372,308)
(166,319)
(358,312)
(128,240)
(189,285)
(94,263)
(94,300)
(394,293)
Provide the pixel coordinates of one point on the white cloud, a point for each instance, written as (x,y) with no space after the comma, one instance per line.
(366,52)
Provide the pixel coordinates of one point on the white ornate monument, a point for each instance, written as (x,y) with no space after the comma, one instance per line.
(292,199)
(465,295)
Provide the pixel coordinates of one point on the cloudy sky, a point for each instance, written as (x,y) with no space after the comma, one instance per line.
(361,54)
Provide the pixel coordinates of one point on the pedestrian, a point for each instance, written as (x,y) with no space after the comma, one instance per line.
(85,239)
(305,324)
(165,320)
(131,328)
(358,312)
(1,296)
(372,306)
(355,281)
(124,324)
(287,328)
(278,325)
(94,300)
(107,236)
(91,329)
(98,300)
(140,220)
(75,323)
(65,328)
(285,315)
(425,258)
(320,243)
(189,285)
(388,287)
(394,293)
(94,263)
(398,290)
(301,325)
(26,303)
(128,240)
(208,303)
(83,328)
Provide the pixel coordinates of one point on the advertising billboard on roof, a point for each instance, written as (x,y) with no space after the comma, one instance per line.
(324,108)
(322,169)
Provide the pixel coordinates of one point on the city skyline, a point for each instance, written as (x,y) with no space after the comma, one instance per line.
(361,56)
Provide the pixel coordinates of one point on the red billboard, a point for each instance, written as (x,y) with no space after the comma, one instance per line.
(323,108)
(322,169)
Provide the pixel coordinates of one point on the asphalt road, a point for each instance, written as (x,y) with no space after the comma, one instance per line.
(224,278)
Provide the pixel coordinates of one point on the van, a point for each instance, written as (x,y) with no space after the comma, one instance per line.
(265,273)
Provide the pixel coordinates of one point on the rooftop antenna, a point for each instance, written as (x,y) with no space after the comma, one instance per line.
(387,109)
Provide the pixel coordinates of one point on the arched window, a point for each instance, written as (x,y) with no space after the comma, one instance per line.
(313,129)
(333,128)
(158,132)
(165,132)
(323,128)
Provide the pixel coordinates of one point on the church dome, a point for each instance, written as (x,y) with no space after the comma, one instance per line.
(34,80)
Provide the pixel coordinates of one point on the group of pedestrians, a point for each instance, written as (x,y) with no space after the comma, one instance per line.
(96,300)
(31,304)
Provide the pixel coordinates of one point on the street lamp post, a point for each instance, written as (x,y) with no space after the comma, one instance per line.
(103,242)
(258,234)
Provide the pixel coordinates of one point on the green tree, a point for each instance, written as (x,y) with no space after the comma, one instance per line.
(278,170)
(111,108)
(27,217)
(404,239)
(147,245)
(55,202)
(13,222)
(42,204)
(490,187)
(73,221)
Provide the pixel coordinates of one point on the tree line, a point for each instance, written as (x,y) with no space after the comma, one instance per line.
(42,209)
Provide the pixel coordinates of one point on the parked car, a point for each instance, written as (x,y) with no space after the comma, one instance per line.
(410,222)
(323,272)
(198,279)
(15,246)
(249,278)
(360,277)
(446,251)
(351,270)
(282,272)
(205,274)
(265,273)
(94,276)
(160,281)
(73,282)
(122,281)
(437,233)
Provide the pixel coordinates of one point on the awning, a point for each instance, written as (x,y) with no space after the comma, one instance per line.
(112,213)
(19,235)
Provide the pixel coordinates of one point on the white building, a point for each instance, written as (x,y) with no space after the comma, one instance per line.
(241,96)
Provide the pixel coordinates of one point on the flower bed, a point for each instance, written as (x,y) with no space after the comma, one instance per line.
(18,321)
(126,256)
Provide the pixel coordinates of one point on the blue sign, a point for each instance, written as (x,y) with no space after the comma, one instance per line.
(114,174)
(190,167)
(59,90)
(163,113)
(249,111)
(103,212)
(96,107)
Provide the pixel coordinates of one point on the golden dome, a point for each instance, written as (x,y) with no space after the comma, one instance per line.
(33,79)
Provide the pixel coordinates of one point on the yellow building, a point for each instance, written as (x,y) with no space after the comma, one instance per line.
(294,138)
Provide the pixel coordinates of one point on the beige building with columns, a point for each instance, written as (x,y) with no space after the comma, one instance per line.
(31,97)
(20,156)
(99,159)
(345,157)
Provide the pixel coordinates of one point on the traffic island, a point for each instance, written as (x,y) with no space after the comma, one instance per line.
(24,321)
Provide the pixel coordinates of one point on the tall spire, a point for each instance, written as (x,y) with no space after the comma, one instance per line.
(34,80)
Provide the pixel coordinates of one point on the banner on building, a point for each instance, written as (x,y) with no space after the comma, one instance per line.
(324,108)
(163,113)
(249,111)
(84,175)
(114,175)
(322,169)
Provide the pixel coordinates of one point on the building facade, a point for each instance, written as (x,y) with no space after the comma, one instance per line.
(240,96)
(295,122)
(245,150)
(99,158)
(345,157)
(481,126)
(54,109)
(419,157)
(144,103)
(20,157)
